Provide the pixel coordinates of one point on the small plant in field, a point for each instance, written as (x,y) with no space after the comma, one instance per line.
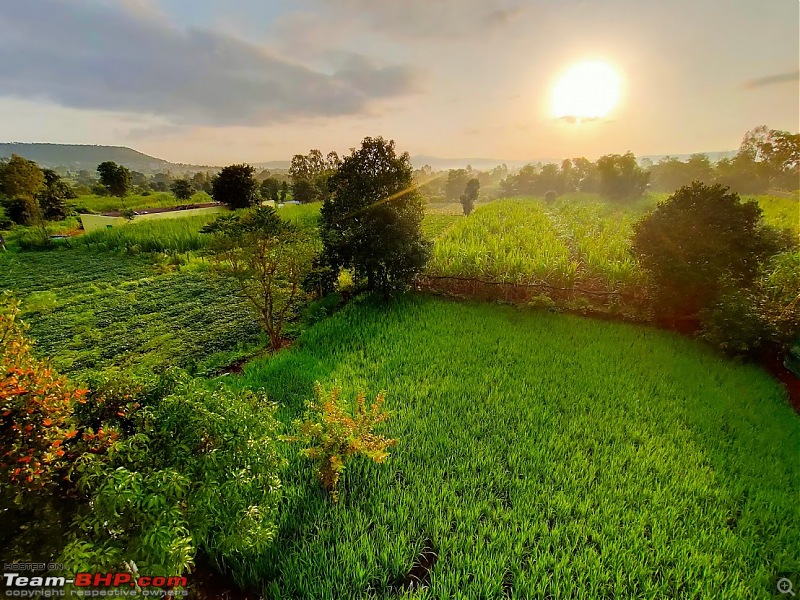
(333,432)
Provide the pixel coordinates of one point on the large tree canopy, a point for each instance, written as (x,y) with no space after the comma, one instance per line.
(372,221)
(235,186)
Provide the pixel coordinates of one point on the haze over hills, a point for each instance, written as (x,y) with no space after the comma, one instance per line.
(78,157)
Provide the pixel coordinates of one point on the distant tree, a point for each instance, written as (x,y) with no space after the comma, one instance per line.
(470,195)
(372,220)
(270,189)
(182,189)
(284,191)
(53,196)
(700,240)
(269,258)
(303,191)
(235,186)
(20,181)
(456,182)
(310,173)
(115,178)
(621,178)
(138,179)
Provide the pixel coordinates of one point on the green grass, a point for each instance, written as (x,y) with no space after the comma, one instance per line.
(569,457)
(435,225)
(101,204)
(779,211)
(92,310)
(156,235)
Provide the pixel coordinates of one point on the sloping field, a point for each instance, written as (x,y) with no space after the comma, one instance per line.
(539,456)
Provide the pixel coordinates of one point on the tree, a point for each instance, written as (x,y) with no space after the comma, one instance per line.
(303,191)
(702,239)
(456,182)
(310,173)
(372,220)
(235,186)
(115,178)
(20,181)
(621,178)
(182,189)
(53,196)
(269,258)
(470,195)
(284,191)
(270,189)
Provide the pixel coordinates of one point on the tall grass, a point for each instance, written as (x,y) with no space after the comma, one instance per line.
(156,235)
(540,455)
(101,204)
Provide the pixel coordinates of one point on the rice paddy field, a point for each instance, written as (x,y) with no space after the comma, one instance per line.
(539,456)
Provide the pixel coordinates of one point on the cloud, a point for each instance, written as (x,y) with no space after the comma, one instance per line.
(772,80)
(102,55)
(427,19)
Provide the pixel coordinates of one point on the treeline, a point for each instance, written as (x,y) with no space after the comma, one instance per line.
(767,160)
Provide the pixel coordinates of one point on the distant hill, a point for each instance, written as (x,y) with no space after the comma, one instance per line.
(78,157)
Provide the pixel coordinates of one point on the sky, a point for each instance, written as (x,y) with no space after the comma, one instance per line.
(213,82)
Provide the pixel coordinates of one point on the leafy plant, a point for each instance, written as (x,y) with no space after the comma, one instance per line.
(334,432)
(38,432)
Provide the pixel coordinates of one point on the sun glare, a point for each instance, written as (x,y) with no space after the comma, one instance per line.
(588,90)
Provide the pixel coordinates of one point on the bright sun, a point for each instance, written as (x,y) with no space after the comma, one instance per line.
(588,90)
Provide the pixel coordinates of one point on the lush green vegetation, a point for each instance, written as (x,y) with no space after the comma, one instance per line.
(551,452)
(91,310)
(525,241)
(101,204)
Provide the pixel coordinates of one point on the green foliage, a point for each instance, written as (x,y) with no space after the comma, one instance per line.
(20,178)
(115,178)
(151,235)
(182,189)
(199,472)
(310,174)
(699,236)
(270,189)
(372,221)
(52,198)
(116,310)
(235,186)
(744,320)
(621,178)
(551,196)
(269,258)
(470,195)
(571,453)
(523,242)
(457,180)
(335,432)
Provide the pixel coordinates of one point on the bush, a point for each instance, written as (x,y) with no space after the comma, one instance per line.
(198,471)
(334,433)
(743,321)
(39,435)
(551,196)
(696,242)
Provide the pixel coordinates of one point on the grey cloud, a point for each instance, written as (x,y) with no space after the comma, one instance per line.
(103,56)
(772,80)
(426,18)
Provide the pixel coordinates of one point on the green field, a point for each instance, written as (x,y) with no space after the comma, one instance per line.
(91,310)
(101,204)
(553,455)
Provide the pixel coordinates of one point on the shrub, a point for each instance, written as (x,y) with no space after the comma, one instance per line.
(700,238)
(551,196)
(235,186)
(198,472)
(38,432)
(334,433)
